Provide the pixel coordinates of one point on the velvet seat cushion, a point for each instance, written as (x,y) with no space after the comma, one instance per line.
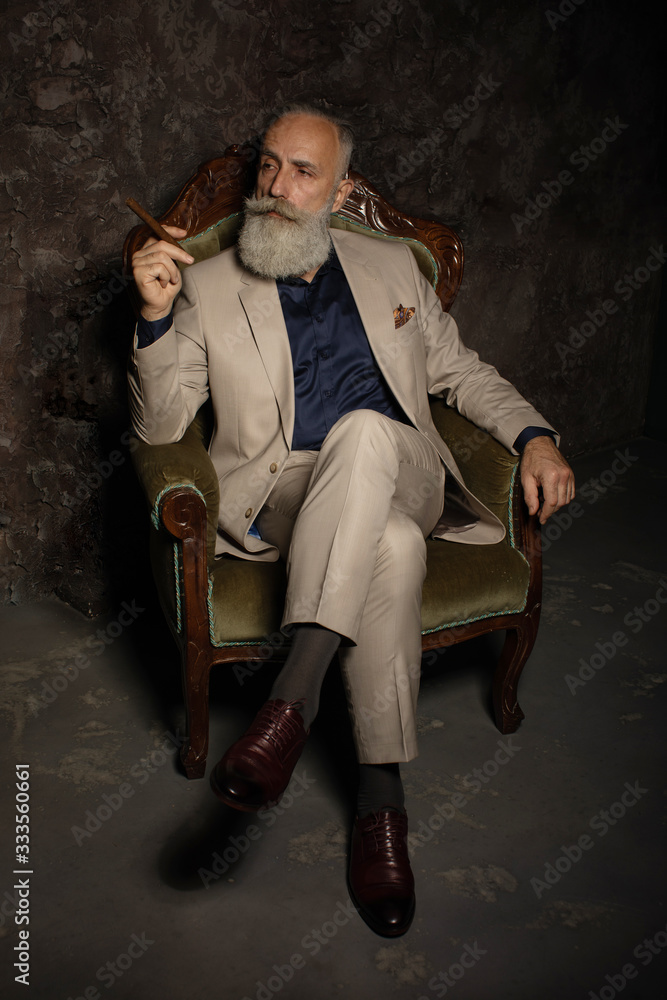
(463,583)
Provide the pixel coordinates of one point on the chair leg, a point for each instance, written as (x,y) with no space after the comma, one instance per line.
(517,648)
(196,671)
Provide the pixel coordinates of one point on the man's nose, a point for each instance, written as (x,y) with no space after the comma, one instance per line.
(280,184)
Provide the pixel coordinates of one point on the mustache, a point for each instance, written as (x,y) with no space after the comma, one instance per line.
(262,206)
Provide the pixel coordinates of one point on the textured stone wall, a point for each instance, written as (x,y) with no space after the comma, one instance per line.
(494,118)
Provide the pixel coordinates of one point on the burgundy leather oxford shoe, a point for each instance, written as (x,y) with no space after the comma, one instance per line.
(381,882)
(256,770)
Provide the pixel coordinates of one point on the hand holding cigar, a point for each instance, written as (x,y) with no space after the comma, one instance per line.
(157,277)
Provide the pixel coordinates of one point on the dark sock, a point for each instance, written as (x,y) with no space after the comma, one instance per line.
(312,650)
(379,785)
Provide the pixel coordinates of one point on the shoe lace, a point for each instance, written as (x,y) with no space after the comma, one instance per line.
(388,834)
(282,728)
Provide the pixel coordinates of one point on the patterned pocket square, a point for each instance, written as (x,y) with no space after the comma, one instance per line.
(402,315)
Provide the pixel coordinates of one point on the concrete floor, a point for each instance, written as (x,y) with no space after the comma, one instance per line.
(546,881)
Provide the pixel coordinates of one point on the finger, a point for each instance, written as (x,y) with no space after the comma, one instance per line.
(153,247)
(530,493)
(176,231)
(160,258)
(550,502)
(163,271)
(565,488)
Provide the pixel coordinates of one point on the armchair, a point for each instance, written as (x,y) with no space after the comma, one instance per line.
(229,610)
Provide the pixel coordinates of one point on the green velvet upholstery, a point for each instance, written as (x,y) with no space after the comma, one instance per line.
(163,467)
(465,583)
(185,463)
(214,239)
(246,601)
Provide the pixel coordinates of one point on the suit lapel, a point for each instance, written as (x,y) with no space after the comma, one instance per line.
(264,313)
(377,315)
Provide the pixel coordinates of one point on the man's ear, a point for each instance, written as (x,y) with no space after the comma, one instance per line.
(345,189)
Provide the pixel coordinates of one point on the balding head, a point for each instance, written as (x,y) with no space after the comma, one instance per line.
(341,129)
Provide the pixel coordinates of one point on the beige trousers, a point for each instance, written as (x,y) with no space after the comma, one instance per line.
(351,520)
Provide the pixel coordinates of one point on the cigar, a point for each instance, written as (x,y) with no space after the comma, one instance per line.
(150,221)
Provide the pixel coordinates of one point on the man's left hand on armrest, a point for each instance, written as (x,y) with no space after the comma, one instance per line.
(544,468)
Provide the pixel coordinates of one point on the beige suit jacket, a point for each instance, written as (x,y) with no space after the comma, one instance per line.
(229,341)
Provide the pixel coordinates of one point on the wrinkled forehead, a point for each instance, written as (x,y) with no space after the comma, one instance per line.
(303,139)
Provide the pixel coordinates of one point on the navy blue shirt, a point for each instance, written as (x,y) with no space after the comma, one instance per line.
(334,368)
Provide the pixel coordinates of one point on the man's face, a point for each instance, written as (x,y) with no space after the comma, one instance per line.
(286,227)
(299,163)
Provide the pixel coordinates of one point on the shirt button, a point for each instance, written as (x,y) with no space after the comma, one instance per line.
(328,392)
(248,513)
(324,355)
(318,319)
(273,467)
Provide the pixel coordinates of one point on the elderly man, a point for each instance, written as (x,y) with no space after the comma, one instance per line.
(318,350)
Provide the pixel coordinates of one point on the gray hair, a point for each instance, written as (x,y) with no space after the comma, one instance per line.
(342,127)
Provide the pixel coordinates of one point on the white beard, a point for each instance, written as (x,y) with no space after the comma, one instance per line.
(288,247)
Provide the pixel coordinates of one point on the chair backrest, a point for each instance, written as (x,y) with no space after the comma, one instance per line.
(209,206)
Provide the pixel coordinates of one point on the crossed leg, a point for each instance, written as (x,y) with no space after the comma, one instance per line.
(351,522)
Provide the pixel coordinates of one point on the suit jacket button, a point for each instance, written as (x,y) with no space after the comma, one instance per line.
(248,513)
(273,467)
